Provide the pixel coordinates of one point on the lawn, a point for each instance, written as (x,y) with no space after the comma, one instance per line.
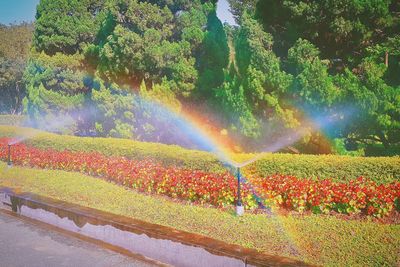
(316,239)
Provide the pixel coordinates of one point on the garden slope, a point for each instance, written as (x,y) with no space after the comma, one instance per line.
(339,168)
(321,240)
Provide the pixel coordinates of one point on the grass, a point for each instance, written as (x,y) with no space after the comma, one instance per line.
(315,239)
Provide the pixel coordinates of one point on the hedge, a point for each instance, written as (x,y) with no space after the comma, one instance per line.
(167,154)
(338,168)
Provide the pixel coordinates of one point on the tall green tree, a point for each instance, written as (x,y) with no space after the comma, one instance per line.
(239,7)
(14,52)
(343,57)
(148,41)
(263,79)
(214,56)
(285,62)
(64,25)
(232,99)
(342,30)
(312,85)
(375,106)
(55,88)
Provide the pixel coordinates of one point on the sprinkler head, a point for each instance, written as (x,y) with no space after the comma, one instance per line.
(239,206)
(239,210)
(9,161)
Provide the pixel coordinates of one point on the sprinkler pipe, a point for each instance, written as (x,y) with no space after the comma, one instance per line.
(9,161)
(239,204)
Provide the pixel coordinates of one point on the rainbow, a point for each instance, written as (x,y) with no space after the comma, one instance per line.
(209,136)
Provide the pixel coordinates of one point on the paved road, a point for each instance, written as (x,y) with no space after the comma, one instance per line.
(25,244)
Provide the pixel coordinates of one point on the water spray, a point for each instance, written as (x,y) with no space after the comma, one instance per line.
(9,161)
(239,205)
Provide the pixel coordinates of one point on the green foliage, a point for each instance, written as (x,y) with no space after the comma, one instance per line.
(142,40)
(165,45)
(263,78)
(214,57)
(339,168)
(15,41)
(231,97)
(341,29)
(142,116)
(377,104)
(154,118)
(14,51)
(378,150)
(312,84)
(114,116)
(63,25)
(339,146)
(258,80)
(319,51)
(238,7)
(12,89)
(53,90)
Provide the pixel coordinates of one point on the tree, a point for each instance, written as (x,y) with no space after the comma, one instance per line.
(64,25)
(129,62)
(239,7)
(343,57)
(147,41)
(113,110)
(342,30)
(214,56)
(14,52)
(312,86)
(376,106)
(55,88)
(263,80)
(231,98)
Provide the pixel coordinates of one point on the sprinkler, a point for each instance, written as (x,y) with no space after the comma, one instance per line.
(239,206)
(9,161)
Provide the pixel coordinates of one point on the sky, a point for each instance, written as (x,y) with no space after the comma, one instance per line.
(223,12)
(16,11)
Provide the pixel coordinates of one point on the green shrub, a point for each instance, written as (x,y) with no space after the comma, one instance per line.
(339,168)
(379,150)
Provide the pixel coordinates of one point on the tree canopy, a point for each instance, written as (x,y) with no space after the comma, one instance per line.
(14,52)
(312,67)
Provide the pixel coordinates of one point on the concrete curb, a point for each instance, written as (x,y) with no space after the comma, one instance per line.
(157,242)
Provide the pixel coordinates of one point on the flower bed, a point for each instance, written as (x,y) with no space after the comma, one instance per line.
(322,196)
(218,189)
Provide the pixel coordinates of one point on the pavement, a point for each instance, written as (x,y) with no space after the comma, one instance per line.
(23,243)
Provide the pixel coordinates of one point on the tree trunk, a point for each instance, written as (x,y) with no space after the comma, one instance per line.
(16,102)
(384,140)
(387,59)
